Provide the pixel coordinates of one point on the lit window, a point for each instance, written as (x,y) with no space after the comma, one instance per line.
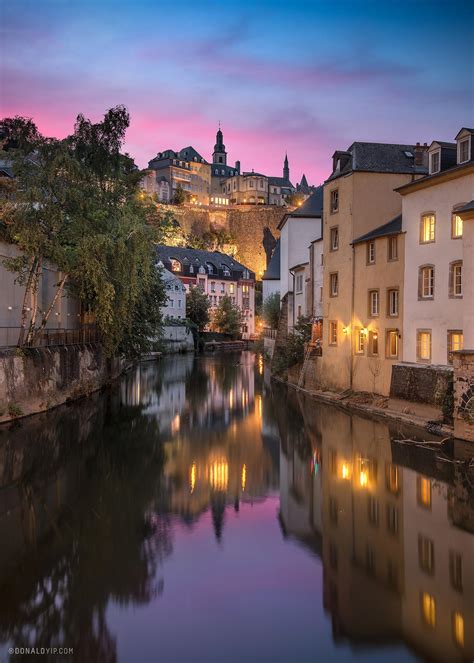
(456,226)
(464,150)
(458,628)
(231,288)
(373,303)
(213,286)
(371,253)
(175,265)
(393,248)
(360,341)
(428,609)
(393,299)
(423,491)
(426,282)
(455,279)
(392,478)
(426,554)
(427,228)
(373,343)
(334,284)
(332,332)
(423,345)
(335,201)
(392,344)
(434,162)
(455,343)
(334,239)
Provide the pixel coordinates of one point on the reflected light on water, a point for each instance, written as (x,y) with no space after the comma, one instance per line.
(219,475)
(244,476)
(192,477)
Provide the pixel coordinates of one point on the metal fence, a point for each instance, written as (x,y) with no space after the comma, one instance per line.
(268,332)
(51,337)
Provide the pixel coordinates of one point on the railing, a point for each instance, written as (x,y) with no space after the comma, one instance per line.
(268,332)
(51,337)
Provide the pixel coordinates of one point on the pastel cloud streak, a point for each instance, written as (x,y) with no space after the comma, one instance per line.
(304,77)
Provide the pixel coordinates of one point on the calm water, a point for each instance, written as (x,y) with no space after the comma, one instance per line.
(197,513)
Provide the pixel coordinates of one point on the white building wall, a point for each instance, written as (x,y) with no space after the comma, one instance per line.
(442,313)
(296,236)
(317,277)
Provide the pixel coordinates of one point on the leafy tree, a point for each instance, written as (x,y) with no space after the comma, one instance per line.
(77,205)
(166,228)
(197,308)
(271,310)
(180,196)
(213,240)
(228,317)
(303,328)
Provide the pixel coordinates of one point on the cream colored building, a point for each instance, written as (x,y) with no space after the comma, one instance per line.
(378,313)
(439,246)
(359,196)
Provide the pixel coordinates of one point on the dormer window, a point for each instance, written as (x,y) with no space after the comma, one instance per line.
(175,265)
(464,148)
(435,162)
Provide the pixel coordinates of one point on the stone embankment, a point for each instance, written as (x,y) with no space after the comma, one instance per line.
(36,379)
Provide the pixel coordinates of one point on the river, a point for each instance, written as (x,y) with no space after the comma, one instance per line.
(196,512)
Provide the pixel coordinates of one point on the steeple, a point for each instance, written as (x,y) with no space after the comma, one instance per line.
(286,168)
(219,155)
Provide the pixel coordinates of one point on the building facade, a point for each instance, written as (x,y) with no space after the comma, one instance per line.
(439,246)
(217,275)
(186,170)
(359,197)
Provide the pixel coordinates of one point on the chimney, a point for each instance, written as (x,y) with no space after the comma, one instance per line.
(420,152)
(237,166)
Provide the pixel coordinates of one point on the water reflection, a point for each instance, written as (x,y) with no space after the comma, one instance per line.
(197,464)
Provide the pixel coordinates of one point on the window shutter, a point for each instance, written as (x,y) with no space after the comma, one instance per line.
(418,345)
(451,279)
(420,282)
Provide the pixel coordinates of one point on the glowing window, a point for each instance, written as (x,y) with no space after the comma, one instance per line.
(423,492)
(458,628)
(423,345)
(428,609)
(456,226)
(427,228)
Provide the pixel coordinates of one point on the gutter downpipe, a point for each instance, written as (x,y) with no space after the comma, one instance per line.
(352,317)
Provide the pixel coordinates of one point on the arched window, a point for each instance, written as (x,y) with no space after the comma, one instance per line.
(455,278)
(175,265)
(426,282)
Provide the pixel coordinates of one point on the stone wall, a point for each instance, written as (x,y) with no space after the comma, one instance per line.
(36,379)
(421,383)
(177,339)
(463,410)
(245,223)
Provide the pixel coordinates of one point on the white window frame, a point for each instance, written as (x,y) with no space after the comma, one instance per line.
(466,139)
(374,298)
(427,281)
(371,253)
(435,153)
(334,284)
(393,297)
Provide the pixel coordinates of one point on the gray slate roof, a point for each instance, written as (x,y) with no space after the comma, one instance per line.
(393,227)
(199,257)
(281,181)
(379,158)
(312,206)
(272,273)
(468,207)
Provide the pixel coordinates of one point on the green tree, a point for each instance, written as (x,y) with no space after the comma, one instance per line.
(228,317)
(166,229)
(180,196)
(197,308)
(271,310)
(77,205)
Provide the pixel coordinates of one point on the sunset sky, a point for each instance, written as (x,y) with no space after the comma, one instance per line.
(306,77)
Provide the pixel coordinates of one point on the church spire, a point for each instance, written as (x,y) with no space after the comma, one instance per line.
(286,168)
(219,155)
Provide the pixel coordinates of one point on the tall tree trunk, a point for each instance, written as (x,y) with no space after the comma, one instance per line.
(57,294)
(26,297)
(34,304)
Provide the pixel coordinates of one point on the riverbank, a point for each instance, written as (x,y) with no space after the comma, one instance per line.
(380,407)
(35,380)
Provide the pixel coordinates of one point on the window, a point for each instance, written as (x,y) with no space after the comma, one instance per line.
(434,162)
(426,554)
(374,303)
(458,628)
(222,287)
(231,288)
(427,228)
(392,519)
(423,491)
(251,184)
(373,511)
(332,332)
(371,253)
(320,294)
(334,238)
(392,343)
(428,609)
(463,147)
(334,201)
(455,279)
(393,248)
(299,283)
(423,345)
(213,286)
(393,299)
(360,341)
(373,343)
(334,284)
(455,342)
(456,226)
(426,282)
(175,265)
(392,480)
(201,283)
(455,570)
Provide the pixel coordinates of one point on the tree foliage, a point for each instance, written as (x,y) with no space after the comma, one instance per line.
(271,310)
(228,318)
(197,308)
(76,205)
(180,196)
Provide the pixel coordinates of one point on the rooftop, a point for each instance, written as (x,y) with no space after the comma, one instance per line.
(198,258)
(393,227)
(272,273)
(376,158)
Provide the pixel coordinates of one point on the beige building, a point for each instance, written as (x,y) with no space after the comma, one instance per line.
(359,196)
(246,189)
(185,169)
(378,297)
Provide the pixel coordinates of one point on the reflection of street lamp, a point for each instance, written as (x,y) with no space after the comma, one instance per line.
(192,477)
(244,476)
